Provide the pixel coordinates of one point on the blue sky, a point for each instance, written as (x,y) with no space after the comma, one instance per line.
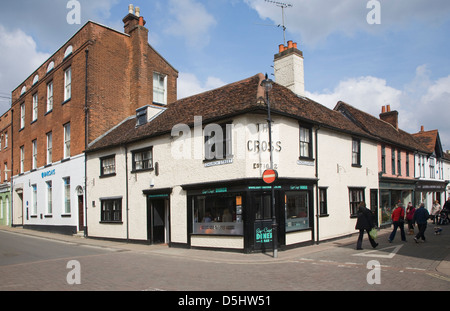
(403,61)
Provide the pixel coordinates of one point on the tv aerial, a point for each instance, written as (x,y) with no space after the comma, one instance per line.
(283,6)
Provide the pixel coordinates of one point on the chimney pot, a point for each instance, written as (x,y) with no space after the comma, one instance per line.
(138,11)
(131,9)
(388,108)
(422,128)
(383,109)
(290,45)
(295,45)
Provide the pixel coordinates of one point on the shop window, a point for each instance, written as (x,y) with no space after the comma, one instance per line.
(218,215)
(142,159)
(49,198)
(356,196)
(34,200)
(66,182)
(297,210)
(111,210)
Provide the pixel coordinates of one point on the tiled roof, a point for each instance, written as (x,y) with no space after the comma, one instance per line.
(428,139)
(233,99)
(379,128)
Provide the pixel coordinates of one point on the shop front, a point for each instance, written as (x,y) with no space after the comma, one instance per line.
(393,192)
(238,214)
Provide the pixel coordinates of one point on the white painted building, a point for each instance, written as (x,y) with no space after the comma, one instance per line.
(164,181)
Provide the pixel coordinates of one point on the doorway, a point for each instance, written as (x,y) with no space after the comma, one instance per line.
(157,219)
(80,213)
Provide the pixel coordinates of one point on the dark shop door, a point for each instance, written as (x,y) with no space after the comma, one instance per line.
(156,215)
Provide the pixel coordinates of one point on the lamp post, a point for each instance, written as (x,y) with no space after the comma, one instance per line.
(267,84)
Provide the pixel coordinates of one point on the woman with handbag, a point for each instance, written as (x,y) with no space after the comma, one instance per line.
(364,223)
(398,220)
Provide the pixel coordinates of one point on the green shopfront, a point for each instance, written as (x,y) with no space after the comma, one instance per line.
(242,208)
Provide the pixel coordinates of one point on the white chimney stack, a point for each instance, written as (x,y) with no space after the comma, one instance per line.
(289,70)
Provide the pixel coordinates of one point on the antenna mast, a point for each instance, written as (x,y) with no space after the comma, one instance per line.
(283,6)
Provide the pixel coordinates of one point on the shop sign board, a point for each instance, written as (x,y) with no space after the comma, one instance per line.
(263,235)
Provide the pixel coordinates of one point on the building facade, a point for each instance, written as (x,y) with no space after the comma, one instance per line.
(95,80)
(396,152)
(5,169)
(429,169)
(167,178)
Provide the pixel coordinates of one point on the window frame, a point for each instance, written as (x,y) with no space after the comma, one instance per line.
(49,96)
(307,141)
(150,160)
(102,167)
(66,146)
(49,154)
(323,201)
(359,194)
(34,154)
(67,83)
(66,196)
(356,153)
(110,211)
(35,107)
(157,90)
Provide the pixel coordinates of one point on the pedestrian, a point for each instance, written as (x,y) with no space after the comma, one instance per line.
(364,223)
(435,211)
(409,218)
(398,220)
(420,217)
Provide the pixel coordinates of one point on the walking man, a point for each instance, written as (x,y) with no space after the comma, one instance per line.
(398,219)
(420,217)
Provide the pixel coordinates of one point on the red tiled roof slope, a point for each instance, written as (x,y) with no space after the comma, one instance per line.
(379,128)
(233,99)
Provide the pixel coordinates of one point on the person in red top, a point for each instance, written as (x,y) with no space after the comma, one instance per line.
(398,219)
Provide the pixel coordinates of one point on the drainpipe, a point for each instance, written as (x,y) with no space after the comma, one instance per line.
(317,185)
(126,191)
(12,167)
(86,112)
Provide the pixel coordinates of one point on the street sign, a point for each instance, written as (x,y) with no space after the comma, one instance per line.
(269,176)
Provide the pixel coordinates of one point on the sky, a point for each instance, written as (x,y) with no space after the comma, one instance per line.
(366,53)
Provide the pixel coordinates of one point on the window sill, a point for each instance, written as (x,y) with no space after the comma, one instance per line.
(107,175)
(66,101)
(66,215)
(142,170)
(111,222)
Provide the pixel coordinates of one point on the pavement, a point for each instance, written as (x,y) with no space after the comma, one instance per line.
(442,267)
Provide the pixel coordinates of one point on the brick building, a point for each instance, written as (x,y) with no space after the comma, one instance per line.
(5,168)
(96,79)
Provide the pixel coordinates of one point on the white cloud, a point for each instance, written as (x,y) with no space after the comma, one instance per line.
(190,20)
(19,56)
(421,102)
(316,20)
(189,84)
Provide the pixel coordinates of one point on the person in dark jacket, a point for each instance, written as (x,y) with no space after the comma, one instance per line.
(420,217)
(364,223)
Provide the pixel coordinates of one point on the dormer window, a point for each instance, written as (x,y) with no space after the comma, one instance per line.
(23,91)
(141,116)
(35,79)
(68,51)
(50,66)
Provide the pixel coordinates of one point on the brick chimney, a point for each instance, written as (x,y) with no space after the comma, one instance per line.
(389,116)
(288,67)
(134,25)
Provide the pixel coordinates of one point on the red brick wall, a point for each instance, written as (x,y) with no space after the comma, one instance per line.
(120,80)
